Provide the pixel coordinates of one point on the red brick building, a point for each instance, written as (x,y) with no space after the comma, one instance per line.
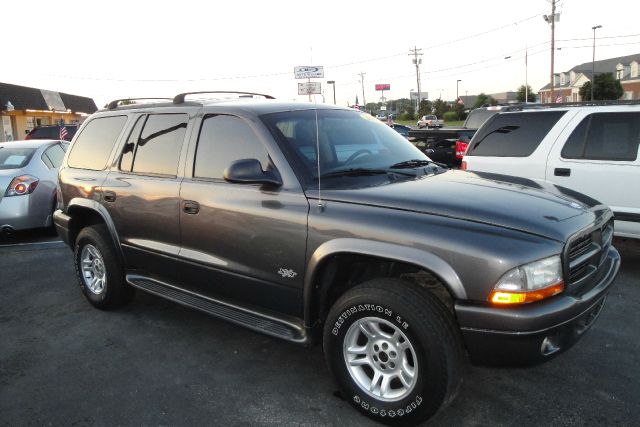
(567,84)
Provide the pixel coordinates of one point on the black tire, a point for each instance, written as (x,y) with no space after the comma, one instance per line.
(115,292)
(433,336)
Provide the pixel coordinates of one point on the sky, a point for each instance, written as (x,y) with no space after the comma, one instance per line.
(136,48)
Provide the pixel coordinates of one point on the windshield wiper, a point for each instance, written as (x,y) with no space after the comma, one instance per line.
(362,172)
(415,163)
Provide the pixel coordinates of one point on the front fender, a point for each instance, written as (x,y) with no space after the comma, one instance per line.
(419,258)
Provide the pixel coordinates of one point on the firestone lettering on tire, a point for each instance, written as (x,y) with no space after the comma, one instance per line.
(358,309)
(390,413)
(366,307)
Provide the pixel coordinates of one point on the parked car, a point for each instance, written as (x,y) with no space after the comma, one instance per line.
(28,179)
(53,132)
(584,148)
(322,224)
(430,121)
(448,145)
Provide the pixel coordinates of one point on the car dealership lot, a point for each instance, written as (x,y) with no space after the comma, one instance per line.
(153,362)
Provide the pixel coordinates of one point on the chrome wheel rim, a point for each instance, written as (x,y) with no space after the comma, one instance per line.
(94,272)
(380,359)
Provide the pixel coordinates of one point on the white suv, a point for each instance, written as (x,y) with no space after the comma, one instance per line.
(590,149)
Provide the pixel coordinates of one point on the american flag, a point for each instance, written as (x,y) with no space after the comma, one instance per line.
(63,132)
(559,99)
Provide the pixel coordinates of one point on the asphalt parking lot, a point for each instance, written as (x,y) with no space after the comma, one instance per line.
(64,363)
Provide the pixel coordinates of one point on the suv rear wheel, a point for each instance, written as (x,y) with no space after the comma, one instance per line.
(98,269)
(395,350)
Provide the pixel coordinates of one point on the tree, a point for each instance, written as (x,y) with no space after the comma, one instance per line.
(440,107)
(605,88)
(372,107)
(459,109)
(521,94)
(426,107)
(483,99)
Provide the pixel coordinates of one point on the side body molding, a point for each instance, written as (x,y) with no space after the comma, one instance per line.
(420,258)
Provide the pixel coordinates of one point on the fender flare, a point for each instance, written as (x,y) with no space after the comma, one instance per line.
(410,255)
(102,211)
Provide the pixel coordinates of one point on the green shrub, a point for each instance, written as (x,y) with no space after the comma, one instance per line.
(450,116)
(407,116)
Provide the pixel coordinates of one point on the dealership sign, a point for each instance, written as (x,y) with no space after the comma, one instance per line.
(309,72)
(383,86)
(309,88)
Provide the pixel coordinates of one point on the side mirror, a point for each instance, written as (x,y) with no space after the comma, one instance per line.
(249,171)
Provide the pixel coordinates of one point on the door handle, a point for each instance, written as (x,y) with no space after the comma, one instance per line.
(562,172)
(190,207)
(109,196)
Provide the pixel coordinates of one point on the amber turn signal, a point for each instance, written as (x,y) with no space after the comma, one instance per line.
(499,297)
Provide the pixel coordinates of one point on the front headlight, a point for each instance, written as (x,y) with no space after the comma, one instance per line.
(530,282)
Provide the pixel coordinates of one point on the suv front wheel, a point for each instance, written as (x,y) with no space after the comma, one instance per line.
(98,269)
(395,351)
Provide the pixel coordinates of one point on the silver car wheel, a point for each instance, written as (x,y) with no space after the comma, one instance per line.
(380,359)
(94,272)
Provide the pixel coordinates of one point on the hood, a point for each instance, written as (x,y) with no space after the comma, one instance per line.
(521,204)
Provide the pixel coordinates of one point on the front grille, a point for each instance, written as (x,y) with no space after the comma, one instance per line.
(586,253)
(580,246)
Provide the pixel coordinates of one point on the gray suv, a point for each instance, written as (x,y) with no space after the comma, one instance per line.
(320,224)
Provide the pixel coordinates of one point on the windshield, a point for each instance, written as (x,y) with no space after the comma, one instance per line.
(15,158)
(351,142)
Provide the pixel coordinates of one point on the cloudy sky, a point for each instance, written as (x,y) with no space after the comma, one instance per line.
(115,49)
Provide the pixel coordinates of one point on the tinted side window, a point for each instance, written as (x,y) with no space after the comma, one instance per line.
(613,136)
(126,159)
(55,154)
(158,149)
(92,147)
(513,134)
(574,146)
(223,140)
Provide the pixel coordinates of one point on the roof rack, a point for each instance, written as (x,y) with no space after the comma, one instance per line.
(115,103)
(179,99)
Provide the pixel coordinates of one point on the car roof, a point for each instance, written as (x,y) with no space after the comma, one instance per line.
(257,106)
(30,143)
(55,126)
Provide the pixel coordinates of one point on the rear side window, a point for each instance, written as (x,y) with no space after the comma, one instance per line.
(224,139)
(605,136)
(92,147)
(53,156)
(513,134)
(159,145)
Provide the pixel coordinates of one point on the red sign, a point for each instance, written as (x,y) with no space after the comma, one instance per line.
(383,86)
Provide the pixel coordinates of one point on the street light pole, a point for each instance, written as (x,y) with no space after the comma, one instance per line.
(457,96)
(593,60)
(333,83)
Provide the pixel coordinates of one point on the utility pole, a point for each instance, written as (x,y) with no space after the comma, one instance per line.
(593,60)
(552,20)
(415,52)
(364,101)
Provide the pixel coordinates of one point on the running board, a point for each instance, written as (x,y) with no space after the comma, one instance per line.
(260,322)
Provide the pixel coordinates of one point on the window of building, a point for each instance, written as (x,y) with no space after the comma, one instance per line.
(93,146)
(605,136)
(158,148)
(224,139)
(513,134)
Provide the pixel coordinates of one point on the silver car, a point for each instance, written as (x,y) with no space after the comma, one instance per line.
(28,180)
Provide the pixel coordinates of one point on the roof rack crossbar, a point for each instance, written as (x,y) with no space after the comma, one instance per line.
(179,99)
(115,103)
